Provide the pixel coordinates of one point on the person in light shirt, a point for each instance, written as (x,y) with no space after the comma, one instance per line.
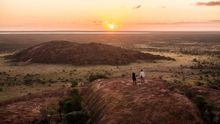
(142,75)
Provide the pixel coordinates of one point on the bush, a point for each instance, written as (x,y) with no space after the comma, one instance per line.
(51,81)
(74,93)
(194,60)
(48,112)
(206,109)
(94,76)
(198,83)
(71,109)
(75,117)
(200,102)
(70,104)
(28,79)
(74,82)
(49,115)
(41,81)
(215,84)
(160,77)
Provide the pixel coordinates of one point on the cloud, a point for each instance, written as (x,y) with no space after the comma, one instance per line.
(210,3)
(163,7)
(97,22)
(180,23)
(137,7)
(215,21)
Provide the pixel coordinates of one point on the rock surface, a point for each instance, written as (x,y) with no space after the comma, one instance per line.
(117,101)
(27,109)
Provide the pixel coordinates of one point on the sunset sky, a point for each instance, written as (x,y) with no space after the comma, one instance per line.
(87,15)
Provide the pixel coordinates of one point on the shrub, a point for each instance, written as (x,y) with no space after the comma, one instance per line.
(200,102)
(200,77)
(74,82)
(70,104)
(28,79)
(215,84)
(194,60)
(75,117)
(51,81)
(49,115)
(41,81)
(175,81)
(74,93)
(123,75)
(198,83)
(95,76)
(71,109)
(206,109)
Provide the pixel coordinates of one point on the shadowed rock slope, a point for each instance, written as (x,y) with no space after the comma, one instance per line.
(116,101)
(64,52)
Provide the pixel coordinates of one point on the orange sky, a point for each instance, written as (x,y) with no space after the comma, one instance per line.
(103,14)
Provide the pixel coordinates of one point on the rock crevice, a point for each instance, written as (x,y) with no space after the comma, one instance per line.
(117,101)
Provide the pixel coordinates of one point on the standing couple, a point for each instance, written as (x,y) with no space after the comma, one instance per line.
(142,75)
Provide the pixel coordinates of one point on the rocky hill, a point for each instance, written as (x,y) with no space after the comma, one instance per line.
(64,52)
(117,101)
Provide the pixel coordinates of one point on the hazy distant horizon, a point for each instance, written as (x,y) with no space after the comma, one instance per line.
(96,31)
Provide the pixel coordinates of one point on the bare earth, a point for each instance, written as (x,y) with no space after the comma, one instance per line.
(117,101)
(111,101)
(26,109)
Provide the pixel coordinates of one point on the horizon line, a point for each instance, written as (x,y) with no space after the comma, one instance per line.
(109,31)
(94,32)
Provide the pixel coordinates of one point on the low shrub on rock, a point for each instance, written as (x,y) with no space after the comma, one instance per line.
(71,110)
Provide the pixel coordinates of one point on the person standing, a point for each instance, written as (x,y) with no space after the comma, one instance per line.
(134,78)
(142,75)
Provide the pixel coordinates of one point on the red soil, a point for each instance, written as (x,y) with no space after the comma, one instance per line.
(24,110)
(117,101)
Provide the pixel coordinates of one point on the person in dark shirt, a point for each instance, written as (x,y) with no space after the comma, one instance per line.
(134,78)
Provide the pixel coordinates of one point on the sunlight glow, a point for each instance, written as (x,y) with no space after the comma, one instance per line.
(108,15)
(111,26)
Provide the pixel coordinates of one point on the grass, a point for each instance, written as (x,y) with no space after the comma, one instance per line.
(54,75)
(191,67)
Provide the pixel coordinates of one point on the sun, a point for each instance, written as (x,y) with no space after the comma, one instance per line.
(111,26)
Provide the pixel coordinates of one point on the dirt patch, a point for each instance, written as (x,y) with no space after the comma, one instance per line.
(26,109)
